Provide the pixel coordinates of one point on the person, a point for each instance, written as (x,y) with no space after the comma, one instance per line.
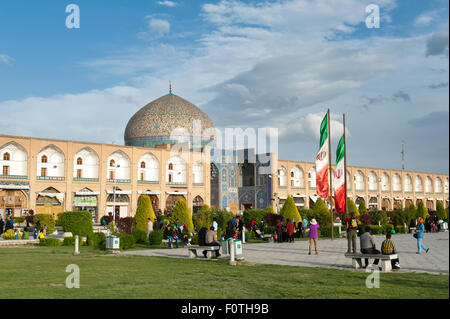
(44,230)
(290,228)
(175,236)
(240,226)
(419,235)
(352,226)
(261,228)
(215,224)
(41,235)
(313,235)
(149,227)
(9,224)
(388,248)
(305,226)
(299,229)
(279,231)
(2,224)
(229,231)
(35,233)
(211,239)
(368,245)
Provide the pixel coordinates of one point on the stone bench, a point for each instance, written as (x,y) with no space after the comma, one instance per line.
(209,251)
(384,259)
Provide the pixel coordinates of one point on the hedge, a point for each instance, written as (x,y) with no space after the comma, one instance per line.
(254,214)
(400,229)
(155,238)
(269,229)
(96,240)
(377,230)
(325,231)
(181,213)
(140,236)
(49,242)
(47,220)
(19,219)
(78,223)
(69,241)
(126,241)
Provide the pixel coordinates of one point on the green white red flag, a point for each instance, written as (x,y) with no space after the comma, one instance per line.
(339,178)
(322,184)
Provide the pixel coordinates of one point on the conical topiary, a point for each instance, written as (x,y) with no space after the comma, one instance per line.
(181,213)
(289,210)
(422,211)
(269,209)
(352,208)
(143,213)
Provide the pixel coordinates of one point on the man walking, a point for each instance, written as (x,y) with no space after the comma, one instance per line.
(352,226)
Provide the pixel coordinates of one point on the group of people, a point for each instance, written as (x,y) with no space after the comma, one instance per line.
(174,232)
(368,246)
(4,226)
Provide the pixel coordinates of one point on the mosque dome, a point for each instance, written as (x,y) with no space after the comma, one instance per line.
(166,120)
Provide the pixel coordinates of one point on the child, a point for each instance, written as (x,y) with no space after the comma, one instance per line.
(35,233)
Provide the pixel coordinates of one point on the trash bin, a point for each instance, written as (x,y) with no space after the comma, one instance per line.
(238,247)
(225,244)
(112,242)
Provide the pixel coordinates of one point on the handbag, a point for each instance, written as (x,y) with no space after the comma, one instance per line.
(415,235)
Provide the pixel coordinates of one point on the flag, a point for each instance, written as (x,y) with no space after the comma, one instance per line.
(339,177)
(322,184)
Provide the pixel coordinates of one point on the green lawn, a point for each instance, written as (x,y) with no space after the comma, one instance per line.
(39,272)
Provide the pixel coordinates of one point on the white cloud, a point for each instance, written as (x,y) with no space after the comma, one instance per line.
(425,19)
(167,3)
(4,58)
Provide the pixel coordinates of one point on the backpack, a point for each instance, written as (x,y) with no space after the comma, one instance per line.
(354,224)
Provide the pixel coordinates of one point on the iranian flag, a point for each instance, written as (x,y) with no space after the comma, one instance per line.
(322,184)
(339,177)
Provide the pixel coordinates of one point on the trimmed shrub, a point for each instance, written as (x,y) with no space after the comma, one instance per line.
(365,219)
(140,236)
(362,208)
(441,213)
(155,238)
(45,220)
(269,229)
(49,242)
(194,240)
(352,208)
(269,209)
(143,213)
(26,235)
(376,230)
(325,231)
(96,240)
(125,225)
(321,213)
(9,234)
(223,217)
(253,214)
(78,223)
(398,216)
(422,211)
(181,213)
(271,219)
(289,210)
(379,216)
(69,241)
(126,241)
(250,235)
(203,218)
(18,220)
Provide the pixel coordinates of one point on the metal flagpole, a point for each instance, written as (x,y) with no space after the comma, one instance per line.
(345,166)
(329,174)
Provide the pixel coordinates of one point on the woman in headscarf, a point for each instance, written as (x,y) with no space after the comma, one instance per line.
(419,235)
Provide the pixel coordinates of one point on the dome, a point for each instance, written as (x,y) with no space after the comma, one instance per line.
(155,122)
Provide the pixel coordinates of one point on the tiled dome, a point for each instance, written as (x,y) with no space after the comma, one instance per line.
(157,120)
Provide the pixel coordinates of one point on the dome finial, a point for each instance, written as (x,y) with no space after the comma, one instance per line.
(170,87)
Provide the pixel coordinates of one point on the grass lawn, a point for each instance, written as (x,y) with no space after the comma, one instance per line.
(39,272)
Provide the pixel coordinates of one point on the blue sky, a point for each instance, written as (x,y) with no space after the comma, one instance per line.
(246,63)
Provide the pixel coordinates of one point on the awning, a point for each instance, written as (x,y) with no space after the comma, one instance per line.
(10,186)
(87,193)
(58,196)
(299,196)
(349,196)
(149,192)
(282,197)
(430,198)
(119,192)
(398,198)
(373,204)
(176,193)
(299,204)
(373,196)
(439,199)
(419,197)
(410,198)
(386,197)
(313,198)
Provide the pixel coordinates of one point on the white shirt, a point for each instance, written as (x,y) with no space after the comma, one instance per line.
(215,225)
(150,226)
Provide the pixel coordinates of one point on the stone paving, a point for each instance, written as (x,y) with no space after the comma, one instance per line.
(331,253)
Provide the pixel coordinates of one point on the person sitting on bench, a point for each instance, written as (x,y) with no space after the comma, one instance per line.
(388,248)
(368,246)
(211,239)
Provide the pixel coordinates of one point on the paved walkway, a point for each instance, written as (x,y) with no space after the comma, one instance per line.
(331,253)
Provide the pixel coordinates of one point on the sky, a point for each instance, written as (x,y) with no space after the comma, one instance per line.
(247,64)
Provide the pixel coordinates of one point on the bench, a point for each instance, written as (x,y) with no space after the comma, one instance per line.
(384,259)
(209,251)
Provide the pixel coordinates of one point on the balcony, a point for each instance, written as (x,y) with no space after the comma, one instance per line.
(13,177)
(176,183)
(50,178)
(118,181)
(148,182)
(89,180)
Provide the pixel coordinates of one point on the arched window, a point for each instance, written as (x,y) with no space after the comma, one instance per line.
(44,159)
(112,163)
(170,166)
(6,157)
(143,165)
(79,161)
(396,183)
(407,183)
(282,181)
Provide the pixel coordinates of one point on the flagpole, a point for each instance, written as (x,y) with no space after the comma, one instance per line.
(329,174)
(345,166)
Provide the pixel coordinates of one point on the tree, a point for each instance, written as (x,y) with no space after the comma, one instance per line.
(410,213)
(362,208)
(289,210)
(422,211)
(143,213)
(321,213)
(181,213)
(440,211)
(352,207)
(269,209)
